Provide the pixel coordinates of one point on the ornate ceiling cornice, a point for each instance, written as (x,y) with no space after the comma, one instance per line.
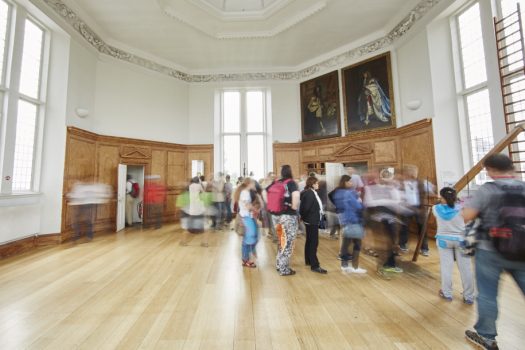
(67,14)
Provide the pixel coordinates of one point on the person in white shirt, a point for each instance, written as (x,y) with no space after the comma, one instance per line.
(130,200)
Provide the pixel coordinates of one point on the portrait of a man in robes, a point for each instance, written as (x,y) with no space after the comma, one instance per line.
(368,95)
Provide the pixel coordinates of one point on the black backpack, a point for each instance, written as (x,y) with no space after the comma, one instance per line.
(508,236)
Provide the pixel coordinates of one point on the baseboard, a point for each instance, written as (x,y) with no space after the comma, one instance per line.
(26,244)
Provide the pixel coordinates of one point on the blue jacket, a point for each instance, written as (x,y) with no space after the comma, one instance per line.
(348,207)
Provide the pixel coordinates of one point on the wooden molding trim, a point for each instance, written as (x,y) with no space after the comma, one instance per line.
(26,244)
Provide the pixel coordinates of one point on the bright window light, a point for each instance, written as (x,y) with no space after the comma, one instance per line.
(31,60)
(24,146)
(471,47)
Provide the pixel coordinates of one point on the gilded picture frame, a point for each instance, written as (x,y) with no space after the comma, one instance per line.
(369,95)
(320,107)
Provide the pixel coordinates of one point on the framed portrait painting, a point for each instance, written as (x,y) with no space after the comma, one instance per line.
(368,94)
(320,107)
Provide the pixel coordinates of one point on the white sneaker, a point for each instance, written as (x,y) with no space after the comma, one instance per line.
(357,270)
(346,268)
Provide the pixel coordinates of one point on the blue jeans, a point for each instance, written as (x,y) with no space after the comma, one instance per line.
(249,240)
(489,266)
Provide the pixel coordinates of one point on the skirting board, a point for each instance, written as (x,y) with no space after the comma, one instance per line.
(25,244)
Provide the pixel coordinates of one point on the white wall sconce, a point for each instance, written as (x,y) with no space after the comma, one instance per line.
(413,105)
(82,112)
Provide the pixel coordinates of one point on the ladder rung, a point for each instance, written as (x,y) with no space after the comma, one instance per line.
(508,16)
(514,92)
(516,142)
(513,82)
(513,43)
(510,54)
(512,63)
(513,102)
(508,35)
(511,73)
(506,26)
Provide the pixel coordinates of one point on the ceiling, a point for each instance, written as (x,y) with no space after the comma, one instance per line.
(239,35)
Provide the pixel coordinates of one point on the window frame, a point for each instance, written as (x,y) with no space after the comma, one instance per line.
(243,130)
(10,88)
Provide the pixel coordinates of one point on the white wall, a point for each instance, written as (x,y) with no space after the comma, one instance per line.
(446,122)
(414,79)
(132,102)
(81,87)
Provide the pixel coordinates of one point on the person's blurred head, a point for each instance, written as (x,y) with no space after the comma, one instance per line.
(286,172)
(195,180)
(345,181)
(448,196)
(202,178)
(128,177)
(497,164)
(311,183)
(227,178)
(312,174)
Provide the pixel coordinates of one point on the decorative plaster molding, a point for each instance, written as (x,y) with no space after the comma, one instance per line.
(67,14)
(251,15)
(184,15)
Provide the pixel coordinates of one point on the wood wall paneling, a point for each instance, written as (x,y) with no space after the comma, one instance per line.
(92,157)
(411,144)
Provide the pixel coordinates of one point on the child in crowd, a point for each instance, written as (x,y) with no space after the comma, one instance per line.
(248,211)
(449,239)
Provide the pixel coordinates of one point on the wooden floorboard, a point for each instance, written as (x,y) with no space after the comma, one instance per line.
(140,289)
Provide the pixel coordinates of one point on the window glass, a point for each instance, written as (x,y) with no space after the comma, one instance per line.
(471,47)
(4,20)
(231,111)
(24,146)
(255,156)
(232,155)
(255,111)
(480,127)
(31,60)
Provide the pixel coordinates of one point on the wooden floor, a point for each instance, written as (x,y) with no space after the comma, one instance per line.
(140,289)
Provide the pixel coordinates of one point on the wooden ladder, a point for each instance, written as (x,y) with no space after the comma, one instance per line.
(511,61)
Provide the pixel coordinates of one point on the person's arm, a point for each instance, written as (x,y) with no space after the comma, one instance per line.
(469,214)
(295,199)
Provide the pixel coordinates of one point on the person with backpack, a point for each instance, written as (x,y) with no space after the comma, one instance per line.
(311,211)
(283,202)
(450,240)
(500,207)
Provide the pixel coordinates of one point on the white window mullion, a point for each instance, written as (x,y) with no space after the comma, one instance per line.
(7,156)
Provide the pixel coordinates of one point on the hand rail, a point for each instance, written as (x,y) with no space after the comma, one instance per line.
(500,146)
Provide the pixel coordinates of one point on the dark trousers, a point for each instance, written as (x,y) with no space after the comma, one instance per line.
(345,243)
(390,229)
(310,247)
(228,205)
(403,232)
(155,213)
(83,221)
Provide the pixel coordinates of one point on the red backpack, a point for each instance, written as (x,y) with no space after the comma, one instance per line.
(135,190)
(276,196)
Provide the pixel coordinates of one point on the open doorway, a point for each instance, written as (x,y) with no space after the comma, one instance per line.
(134,195)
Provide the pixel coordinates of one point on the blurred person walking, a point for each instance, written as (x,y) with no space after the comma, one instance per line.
(349,210)
(83,199)
(154,201)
